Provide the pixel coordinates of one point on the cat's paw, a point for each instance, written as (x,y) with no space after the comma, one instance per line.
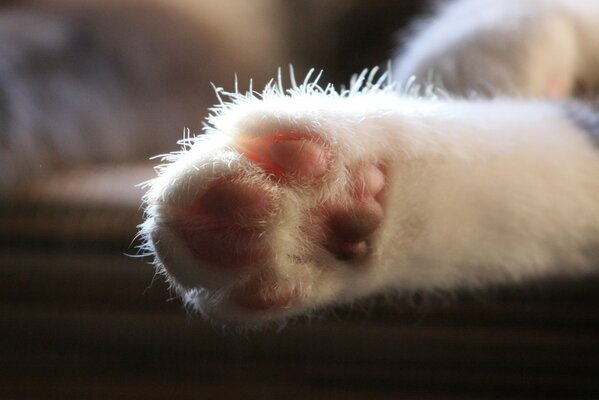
(274,213)
(488,48)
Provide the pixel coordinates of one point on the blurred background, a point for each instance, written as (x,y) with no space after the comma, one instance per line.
(88,91)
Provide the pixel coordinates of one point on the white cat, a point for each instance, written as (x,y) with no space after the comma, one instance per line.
(296,200)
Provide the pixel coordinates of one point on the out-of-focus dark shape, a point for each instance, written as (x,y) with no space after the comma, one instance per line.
(106,81)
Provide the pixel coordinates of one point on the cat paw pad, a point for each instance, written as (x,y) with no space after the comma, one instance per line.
(267,221)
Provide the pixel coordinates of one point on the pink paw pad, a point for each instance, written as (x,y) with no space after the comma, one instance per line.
(370,181)
(280,153)
(349,228)
(231,200)
(223,227)
(261,295)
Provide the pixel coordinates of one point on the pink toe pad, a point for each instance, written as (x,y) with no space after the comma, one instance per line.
(257,295)
(280,153)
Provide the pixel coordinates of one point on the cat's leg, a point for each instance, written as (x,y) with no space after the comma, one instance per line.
(294,203)
(533,48)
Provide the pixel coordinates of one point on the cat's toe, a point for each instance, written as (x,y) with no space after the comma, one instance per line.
(349,227)
(284,153)
(262,293)
(301,156)
(234,201)
(369,181)
(224,226)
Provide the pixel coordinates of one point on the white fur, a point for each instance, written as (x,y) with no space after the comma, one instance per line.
(515,47)
(479,191)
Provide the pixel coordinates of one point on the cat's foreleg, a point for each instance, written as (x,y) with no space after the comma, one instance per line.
(292,203)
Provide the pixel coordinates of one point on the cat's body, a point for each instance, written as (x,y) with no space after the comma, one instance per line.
(293,201)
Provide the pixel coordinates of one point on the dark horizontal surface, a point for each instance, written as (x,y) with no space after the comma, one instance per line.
(80,319)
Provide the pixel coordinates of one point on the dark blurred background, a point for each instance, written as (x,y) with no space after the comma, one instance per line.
(82,319)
